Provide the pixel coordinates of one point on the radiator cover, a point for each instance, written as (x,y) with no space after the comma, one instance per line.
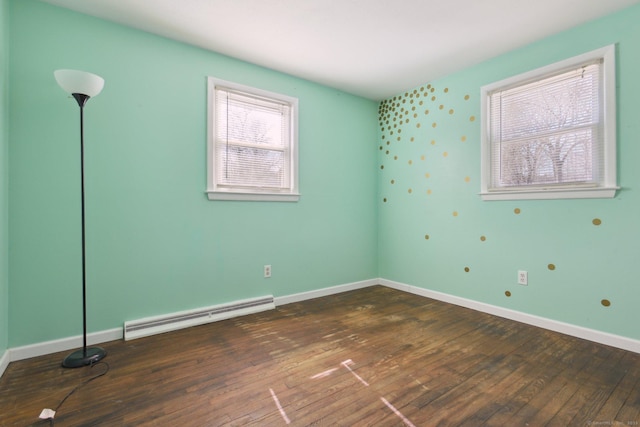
(184,319)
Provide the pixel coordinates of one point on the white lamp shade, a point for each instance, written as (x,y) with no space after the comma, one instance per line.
(82,82)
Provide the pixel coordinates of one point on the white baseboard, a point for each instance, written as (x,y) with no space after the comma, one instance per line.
(4,361)
(70,343)
(63,344)
(303,296)
(530,319)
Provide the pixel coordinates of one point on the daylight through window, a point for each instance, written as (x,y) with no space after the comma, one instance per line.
(551,133)
(252,144)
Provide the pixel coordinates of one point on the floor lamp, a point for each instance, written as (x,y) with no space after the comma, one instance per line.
(82,86)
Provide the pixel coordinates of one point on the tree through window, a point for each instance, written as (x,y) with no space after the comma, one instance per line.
(551,132)
(252,144)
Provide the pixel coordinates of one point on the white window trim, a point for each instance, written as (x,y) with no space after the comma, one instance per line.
(215,192)
(608,187)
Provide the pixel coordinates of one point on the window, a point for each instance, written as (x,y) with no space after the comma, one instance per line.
(551,133)
(252,147)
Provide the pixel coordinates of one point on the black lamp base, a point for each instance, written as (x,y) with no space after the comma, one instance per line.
(82,357)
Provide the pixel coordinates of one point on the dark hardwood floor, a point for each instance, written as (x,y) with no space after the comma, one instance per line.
(372,357)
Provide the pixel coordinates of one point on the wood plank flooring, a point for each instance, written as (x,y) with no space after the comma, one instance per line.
(371,357)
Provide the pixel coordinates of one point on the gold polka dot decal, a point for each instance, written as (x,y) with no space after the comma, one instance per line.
(605,302)
(472,118)
(410,191)
(433,142)
(410,162)
(517,211)
(451,111)
(467,179)
(455,213)
(381,166)
(393,181)
(428,192)
(427,175)
(466,97)
(551,267)
(426,237)
(434,125)
(596,221)
(446,89)
(463,138)
(467,269)
(508,293)
(483,238)
(423,157)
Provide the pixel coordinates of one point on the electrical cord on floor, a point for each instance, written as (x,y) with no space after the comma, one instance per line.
(51,422)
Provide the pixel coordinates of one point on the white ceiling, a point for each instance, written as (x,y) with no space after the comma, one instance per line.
(372,48)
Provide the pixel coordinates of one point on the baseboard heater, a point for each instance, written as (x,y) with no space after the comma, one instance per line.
(184,319)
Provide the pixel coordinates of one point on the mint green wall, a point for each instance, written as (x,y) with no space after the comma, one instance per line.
(433,224)
(4,167)
(155,244)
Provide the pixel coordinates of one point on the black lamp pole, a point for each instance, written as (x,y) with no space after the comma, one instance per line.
(85,356)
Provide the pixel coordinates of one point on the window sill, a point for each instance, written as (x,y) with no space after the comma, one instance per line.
(551,193)
(253,197)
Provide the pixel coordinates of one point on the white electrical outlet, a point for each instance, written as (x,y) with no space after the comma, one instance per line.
(523,277)
(267,271)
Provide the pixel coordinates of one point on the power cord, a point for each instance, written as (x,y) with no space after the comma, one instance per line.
(52,413)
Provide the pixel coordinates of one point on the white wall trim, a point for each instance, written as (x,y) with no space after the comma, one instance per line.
(303,296)
(63,344)
(530,319)
(4,361)
(71,343)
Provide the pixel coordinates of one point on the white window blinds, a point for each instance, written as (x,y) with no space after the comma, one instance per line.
(548,132)
(252,141)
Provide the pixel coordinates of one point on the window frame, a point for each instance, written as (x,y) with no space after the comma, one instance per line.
(607,184)
(216,191)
